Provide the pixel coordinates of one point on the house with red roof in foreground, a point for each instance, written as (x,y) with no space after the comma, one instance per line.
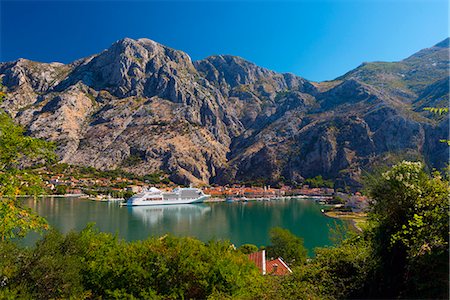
(269,267)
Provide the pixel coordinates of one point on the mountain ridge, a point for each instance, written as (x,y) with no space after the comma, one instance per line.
(145,107)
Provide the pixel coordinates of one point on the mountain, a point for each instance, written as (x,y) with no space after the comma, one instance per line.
(145,107)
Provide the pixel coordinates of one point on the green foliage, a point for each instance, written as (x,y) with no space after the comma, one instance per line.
(17,221)
(98,265)
(54,267)
(342,271)
(10,265)
(335,273)
(61,189)
(318,181)
(15,147)
(90,172)
(294,286)
(15,150)
(155,178)
(287,246)
(437,110)
(248,248)
(405,200)
(20,182)
(410,214)
(338,200)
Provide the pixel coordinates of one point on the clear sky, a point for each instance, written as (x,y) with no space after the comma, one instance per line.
(318,40)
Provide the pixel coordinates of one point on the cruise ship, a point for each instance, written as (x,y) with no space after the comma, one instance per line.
(154,196)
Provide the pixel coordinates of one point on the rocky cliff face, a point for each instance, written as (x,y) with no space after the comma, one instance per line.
(144,107)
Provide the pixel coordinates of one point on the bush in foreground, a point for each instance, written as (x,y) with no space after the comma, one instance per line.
(90,264)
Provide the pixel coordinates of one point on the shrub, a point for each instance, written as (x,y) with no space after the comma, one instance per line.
(287,246)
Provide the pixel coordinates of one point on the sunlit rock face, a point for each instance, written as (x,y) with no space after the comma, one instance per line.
(144,107)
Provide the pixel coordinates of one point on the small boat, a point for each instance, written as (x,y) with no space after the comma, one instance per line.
(154,196)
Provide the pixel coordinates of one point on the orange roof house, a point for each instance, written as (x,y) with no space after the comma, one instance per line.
(277,267)
(259,258)
(269,267)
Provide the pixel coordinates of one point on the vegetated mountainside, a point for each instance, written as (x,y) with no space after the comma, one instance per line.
(145,107)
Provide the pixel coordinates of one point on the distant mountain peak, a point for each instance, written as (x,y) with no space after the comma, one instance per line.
(145,107)
(128,43)
(127,40)
(147,41)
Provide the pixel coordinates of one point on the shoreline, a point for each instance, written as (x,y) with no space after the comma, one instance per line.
(210,200)
(244,199)
(355,219)
(54,196)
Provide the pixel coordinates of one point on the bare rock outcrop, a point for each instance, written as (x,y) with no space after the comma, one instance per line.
(144,107)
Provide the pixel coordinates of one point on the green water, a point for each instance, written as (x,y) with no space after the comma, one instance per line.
(238,222)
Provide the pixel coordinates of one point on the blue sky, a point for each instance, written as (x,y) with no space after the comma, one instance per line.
(318,40)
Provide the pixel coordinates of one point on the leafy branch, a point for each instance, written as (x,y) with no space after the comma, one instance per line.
(437,110)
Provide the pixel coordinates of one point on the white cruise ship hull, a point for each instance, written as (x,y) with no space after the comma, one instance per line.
(138,202)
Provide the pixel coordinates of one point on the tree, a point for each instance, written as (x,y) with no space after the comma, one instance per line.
(61,189)
(410,213)
(18,221)
(17,150)
(248,248)
(90,264)
(287,246)
(342,270)
(318,181)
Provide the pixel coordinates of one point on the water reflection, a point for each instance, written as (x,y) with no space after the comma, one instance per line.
(238,222)
(151,215)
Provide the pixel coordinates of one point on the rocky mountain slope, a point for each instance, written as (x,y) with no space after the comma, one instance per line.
(145,107)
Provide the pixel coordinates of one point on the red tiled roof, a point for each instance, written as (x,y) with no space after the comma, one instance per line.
(269,267)
(277,267)
(259,258)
